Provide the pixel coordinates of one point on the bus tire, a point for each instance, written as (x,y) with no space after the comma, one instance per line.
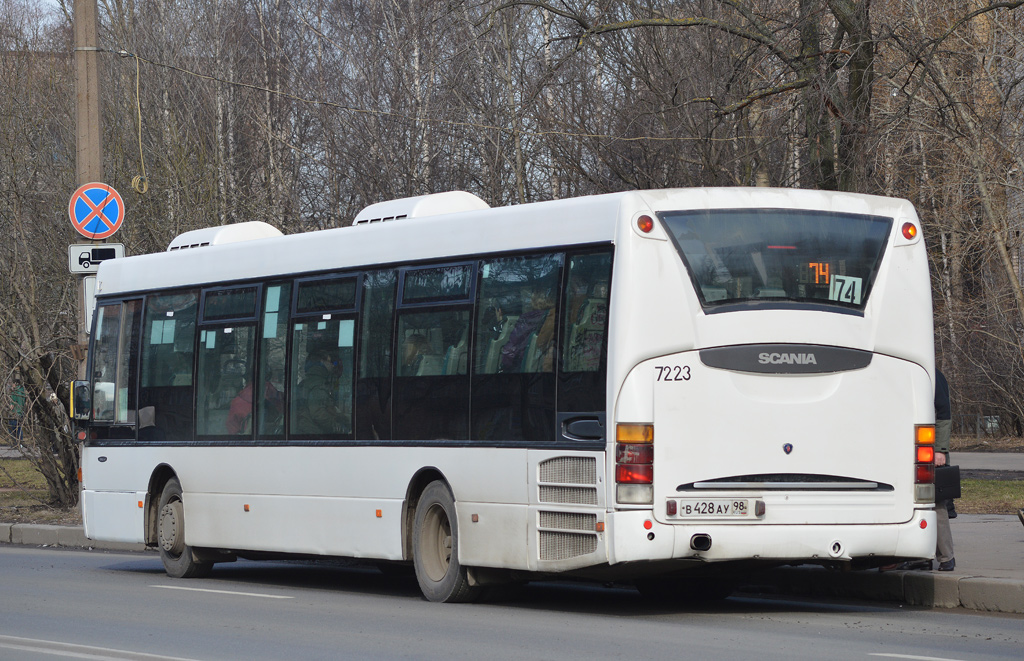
(435,542)
(177,556)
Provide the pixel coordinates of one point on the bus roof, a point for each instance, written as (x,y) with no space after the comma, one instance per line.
(572,221)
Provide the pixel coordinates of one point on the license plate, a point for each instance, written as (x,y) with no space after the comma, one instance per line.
(712,508)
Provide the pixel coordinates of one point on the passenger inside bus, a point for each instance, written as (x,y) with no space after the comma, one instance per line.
(529,345)
(240,412)
(417,357)
(317,407)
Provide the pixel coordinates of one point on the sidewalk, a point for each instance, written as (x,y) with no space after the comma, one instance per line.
(1001,461)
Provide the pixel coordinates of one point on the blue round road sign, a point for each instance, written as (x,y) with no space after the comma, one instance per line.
(96,210)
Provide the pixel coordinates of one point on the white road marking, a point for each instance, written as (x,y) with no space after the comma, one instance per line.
(72,651)
(912,656)
(237,594)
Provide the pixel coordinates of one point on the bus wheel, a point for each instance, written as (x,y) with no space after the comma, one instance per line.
(435,540)
(170,528)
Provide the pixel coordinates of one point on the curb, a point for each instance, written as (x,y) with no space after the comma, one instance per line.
(918,588)
(1000,595)
(35,534)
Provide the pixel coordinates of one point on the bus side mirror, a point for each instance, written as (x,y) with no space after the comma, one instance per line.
(81,400)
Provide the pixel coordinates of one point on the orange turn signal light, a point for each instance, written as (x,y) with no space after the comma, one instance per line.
(924,434)
(634,433)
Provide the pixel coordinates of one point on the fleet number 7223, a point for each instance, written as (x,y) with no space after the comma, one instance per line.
(672,372)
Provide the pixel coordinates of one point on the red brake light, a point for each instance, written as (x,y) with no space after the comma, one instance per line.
(645,224)
(634,453)
(924,473)
(925,454)
(909,230)
(634,474)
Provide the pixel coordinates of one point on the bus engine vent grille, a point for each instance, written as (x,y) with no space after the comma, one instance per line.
(569,470)
(568,495)
(568,521)
(565,545)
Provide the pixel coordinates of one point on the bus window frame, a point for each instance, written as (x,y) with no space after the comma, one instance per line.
(297,282)
(206,291)
(469,298)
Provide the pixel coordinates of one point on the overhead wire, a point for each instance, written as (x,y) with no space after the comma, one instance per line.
(139,182)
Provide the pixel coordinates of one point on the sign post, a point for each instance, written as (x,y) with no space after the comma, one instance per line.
(96,211)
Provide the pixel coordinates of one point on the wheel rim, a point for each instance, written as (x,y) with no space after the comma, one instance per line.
(172,539)
(436,547)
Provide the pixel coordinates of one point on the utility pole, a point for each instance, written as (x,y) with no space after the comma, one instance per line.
(88,126)
(88,131)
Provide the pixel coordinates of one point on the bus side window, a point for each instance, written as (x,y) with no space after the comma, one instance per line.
(321,378)
(227,347)
(515,348)
(269,397)
(128,362)
(431,367)
(581,382)
(431,375)
(104,362)
(166,362)
(373,389)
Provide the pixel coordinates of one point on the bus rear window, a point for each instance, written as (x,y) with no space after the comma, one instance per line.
(779,256)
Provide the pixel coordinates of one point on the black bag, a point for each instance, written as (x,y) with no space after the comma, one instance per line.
(947,483)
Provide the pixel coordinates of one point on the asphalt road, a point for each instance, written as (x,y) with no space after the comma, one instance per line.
(74,604)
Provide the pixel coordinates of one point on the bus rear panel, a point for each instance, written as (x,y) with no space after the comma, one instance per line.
(777,413)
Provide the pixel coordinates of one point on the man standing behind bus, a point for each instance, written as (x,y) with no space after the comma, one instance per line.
(944,536)
(943,424)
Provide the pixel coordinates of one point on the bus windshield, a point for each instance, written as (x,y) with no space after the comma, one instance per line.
(767,256)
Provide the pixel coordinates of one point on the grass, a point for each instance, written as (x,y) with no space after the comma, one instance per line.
(985,443)
(23,496)
(990,496)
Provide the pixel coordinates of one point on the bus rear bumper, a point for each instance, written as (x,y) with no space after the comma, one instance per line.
(636,536)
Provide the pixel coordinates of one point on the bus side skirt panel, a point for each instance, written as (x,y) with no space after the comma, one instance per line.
(114,516)
(296,524)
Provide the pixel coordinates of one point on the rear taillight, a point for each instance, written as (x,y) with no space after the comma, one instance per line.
(634,464)
(924,464)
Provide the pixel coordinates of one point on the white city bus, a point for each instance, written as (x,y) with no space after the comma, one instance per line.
(655,385)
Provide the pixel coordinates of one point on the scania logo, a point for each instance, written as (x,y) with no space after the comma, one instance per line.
(787,448)
(786,359)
